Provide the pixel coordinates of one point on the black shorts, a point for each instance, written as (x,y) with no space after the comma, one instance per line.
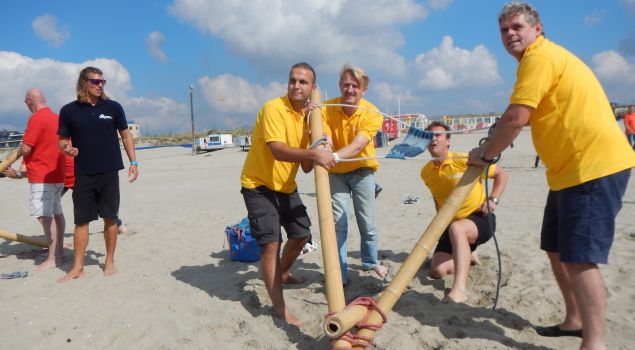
(96,194)
(269,210)
(482,226)
(579,221)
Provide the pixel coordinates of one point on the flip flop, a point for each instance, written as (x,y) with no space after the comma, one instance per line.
(16,274)
(555,331)
(411,200)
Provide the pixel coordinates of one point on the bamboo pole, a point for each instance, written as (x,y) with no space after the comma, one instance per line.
(4,164)
(8,160)
(332,272)
(330,255)
(22,239)
(340,323)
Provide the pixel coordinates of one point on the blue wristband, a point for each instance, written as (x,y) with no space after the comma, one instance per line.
(134,162)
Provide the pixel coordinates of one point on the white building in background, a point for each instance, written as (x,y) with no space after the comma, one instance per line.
(134,130)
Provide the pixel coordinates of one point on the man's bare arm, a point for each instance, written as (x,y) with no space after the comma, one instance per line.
(128,146)
(507,129)
(284,153)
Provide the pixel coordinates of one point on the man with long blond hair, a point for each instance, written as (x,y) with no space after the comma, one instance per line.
(92,122)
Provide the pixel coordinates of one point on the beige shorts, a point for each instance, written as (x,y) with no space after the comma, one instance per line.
(46,199)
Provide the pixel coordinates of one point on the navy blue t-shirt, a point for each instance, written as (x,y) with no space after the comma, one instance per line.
(93,131)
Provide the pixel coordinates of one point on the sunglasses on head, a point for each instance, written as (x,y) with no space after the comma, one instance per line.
(97,81)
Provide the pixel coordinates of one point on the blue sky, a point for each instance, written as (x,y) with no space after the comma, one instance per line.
(435,56)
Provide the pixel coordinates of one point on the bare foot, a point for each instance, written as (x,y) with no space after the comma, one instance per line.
(71,276)
(109,269)
(474,260)
(381,271)
(121,229)
(289,318)
(290,279)
(455,296)
(46,264)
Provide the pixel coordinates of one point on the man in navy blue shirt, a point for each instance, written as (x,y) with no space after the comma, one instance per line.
(92,123)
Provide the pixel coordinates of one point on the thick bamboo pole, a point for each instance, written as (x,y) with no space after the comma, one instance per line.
(8,160)
(22,239)
(4,164)
(330,256)
(332,272)
(339,324)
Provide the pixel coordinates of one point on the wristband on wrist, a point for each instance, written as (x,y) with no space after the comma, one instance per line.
(18,174)
(336,156)
(485,160)
(134,162)
(495,200)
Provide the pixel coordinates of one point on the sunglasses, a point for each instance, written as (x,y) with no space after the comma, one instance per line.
(96,82)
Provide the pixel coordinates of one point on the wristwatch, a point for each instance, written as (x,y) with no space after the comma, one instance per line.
(494,199)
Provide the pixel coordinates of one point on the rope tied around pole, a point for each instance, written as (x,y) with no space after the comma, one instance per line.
(321,141)
(362,341)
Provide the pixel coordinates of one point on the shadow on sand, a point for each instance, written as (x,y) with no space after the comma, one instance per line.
(241,283)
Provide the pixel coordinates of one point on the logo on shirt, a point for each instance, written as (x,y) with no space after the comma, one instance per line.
(101,116)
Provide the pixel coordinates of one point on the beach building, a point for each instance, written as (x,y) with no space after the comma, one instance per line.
(134,129)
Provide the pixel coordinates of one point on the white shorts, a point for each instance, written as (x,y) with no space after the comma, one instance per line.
(46,199)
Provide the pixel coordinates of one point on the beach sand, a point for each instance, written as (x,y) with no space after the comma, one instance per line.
(176,288)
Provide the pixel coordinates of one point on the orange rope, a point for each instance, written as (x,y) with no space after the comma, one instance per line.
(358,340)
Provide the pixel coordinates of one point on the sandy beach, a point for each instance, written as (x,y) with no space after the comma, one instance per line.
(177,289)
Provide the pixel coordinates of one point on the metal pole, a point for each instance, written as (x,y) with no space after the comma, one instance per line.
(192,116)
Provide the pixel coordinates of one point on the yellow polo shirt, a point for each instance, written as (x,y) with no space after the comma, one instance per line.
(343,129)
(442,179)
(276,121)
(572,126)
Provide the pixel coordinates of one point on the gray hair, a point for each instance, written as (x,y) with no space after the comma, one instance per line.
(515,8)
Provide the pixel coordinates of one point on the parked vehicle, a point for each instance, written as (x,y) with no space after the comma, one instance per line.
(10,139)
(214,142)
(244,142)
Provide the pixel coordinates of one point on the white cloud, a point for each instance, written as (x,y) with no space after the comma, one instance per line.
(391,95)
(439,4)
(611,67)
(154,42)
(57,80)
(326,33)
(448,67)
(235,101)
(45,28)
(157,115)
(594,19)
(616,74)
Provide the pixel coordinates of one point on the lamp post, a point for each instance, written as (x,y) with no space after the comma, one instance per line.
(192,117)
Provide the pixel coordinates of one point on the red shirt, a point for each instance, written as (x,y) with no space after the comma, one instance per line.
(45,163)
(69,179)
(629,123)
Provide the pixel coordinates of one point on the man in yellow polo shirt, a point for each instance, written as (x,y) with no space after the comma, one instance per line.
(587,158)
(278,146)
(473,224)
(351,131)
